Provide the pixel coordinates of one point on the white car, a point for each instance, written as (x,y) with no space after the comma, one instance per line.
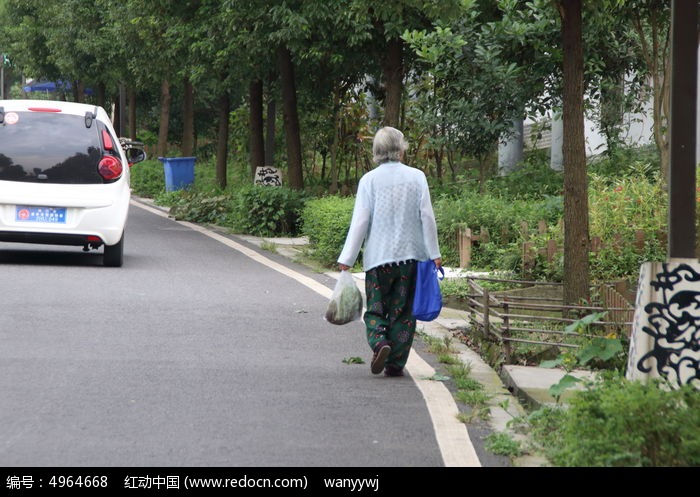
(64,176)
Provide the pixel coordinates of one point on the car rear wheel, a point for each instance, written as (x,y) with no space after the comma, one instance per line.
(114,254)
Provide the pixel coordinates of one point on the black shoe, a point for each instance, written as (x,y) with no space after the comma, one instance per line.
(393,371)
(381,352)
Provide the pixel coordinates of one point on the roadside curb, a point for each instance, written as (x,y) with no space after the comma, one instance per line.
(504,405)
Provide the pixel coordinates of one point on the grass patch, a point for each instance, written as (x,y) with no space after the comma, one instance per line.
(439,346)
(470,392)
(269,246)
(448,359)
(503,444)
(473,397)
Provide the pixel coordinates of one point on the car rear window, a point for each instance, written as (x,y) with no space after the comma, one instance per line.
(49,147)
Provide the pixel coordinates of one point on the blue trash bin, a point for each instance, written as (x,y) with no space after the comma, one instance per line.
(179,172)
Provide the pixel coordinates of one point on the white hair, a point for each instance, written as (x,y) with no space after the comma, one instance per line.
(388,145)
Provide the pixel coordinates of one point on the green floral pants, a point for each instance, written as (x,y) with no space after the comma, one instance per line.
(389,290)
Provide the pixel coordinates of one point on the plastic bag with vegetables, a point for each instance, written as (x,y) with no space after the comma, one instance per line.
(346,302)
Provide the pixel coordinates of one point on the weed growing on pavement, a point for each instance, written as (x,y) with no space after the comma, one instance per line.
(439,346)
(467,384)
(438,377)
(448,359)
(353,360)
(477,399)
(503,444)
(470,392)
(269,246)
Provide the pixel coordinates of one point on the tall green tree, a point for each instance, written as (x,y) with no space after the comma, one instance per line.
(27,31)
(161,27)
(332,69)
(254,45)
(651,22)
(576,225)
(387,22)
(484,70)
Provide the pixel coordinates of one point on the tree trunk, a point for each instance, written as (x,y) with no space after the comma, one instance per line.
(437,155)
(165,99)
(255,123)
(101,95)
(222,140)
(656,52)
(132,112)
(576,234)
(117,117)
(291,119)
(79,91)
(187,147)
(393,82)
(335,144)
(270,134)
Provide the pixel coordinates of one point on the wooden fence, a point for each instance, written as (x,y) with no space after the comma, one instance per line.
(535,314)
(551,248)
(465,242)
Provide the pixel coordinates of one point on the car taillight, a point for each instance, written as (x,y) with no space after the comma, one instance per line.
(110,167)
(107,141)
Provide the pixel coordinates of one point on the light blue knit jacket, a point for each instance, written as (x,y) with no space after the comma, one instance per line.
(393,216)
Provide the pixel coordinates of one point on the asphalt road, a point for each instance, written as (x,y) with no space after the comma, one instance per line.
(201,351)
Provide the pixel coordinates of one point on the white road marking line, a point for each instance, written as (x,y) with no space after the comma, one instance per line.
(452,435)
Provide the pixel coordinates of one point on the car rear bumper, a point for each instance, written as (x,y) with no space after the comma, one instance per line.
(90,211)
(45,238)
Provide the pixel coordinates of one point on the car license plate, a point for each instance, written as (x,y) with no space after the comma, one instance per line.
(35,214)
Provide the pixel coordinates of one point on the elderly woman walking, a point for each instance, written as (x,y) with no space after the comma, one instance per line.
(393,217)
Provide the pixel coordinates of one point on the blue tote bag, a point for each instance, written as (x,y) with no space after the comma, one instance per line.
(427,301)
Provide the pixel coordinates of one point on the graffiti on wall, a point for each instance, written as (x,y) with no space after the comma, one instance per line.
(268,176)
(666,336)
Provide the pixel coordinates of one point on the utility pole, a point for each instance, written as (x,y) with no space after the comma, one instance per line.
(682,133)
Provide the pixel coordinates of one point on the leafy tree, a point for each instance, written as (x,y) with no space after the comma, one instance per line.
(484,70)
(27,31)
(651,22)
(221,59)
(387,22)
(576,226)
(160,27)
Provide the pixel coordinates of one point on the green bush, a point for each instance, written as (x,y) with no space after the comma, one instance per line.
(196,206)
(627,161)
(147,178)
(502,218)
(619,209)
(616,422)
(266,211)
(535,179)
(326,223)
